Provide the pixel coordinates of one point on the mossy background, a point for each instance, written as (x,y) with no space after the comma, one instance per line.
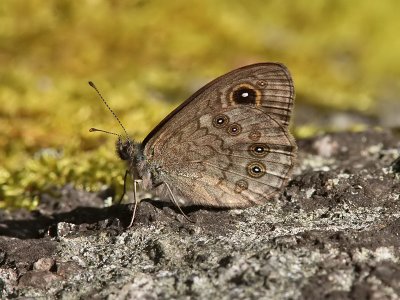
(148,56)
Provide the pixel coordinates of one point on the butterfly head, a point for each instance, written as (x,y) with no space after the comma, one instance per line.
(125,148)
(132,153)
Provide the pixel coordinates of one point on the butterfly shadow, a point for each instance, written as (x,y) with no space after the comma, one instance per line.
(37,225)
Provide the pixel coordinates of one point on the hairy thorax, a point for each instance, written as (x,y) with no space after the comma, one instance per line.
(138,166)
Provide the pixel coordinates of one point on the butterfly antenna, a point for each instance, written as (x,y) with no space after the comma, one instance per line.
(109,108)
(104,131)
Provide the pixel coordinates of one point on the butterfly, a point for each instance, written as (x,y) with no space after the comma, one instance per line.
(228,145)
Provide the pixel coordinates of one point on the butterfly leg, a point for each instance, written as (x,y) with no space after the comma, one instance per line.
(176,203)
(124,192)
(135,182)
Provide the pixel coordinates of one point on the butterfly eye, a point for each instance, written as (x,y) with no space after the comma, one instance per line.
(245,94)
(256,169)
(258,150)
(234,129)
(220,121)
(124,149)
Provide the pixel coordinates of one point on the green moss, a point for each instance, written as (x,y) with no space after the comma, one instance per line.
(50,168)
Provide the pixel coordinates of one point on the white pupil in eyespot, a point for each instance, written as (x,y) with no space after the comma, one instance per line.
(244,95)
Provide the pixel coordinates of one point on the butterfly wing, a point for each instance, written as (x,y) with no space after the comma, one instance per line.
(228,145)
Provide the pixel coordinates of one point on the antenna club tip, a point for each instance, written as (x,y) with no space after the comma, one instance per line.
(91,84)
(92,129)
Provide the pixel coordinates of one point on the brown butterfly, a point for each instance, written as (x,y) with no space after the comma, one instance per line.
(228,145)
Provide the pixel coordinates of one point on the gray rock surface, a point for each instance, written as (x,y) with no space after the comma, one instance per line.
(334,233)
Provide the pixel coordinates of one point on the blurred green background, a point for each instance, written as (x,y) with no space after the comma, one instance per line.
(148,56)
